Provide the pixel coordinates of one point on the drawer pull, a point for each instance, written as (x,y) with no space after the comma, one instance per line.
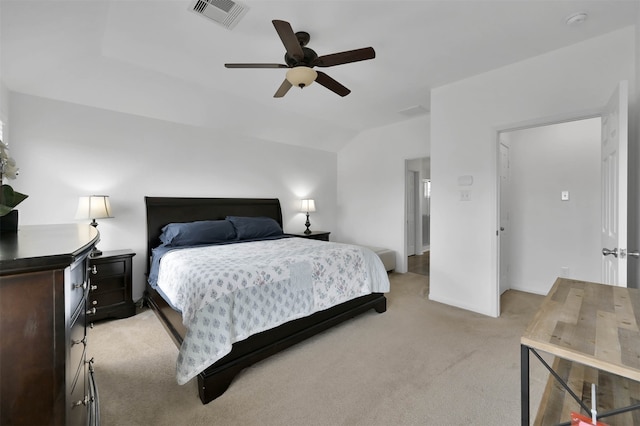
(94,303)
(93,269)
(82,286)
(91,311)
(93,287)
(84,401)
(77,342)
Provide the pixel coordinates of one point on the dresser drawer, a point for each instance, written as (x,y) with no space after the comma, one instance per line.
(79,400)
(77,344)
(77,283)
(94,403)
(76,373)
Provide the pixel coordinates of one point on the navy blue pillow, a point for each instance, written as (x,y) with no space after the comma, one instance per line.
(255,227)
(199,232)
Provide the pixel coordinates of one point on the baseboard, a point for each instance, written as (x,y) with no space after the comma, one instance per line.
(456,304)
(532,290)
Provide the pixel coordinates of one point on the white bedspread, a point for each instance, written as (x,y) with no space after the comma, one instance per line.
(228,292)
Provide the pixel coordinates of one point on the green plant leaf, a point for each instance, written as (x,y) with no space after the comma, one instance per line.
(4,210)
(9,199)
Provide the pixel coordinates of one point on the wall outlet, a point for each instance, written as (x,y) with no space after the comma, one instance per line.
(465,195)
(564,272)
(564,195)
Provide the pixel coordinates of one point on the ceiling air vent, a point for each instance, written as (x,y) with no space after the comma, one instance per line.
(225,12)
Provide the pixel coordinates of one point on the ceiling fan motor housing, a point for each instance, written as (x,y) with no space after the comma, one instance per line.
(309,56)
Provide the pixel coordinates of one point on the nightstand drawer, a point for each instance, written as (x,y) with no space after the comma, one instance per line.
(107,285)
(111,285)
(108,293)
(109,269)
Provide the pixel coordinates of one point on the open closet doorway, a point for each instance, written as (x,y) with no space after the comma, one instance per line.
(417,214)
(567,202)
(550,205)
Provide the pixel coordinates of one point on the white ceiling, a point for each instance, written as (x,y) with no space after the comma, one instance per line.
(158,59)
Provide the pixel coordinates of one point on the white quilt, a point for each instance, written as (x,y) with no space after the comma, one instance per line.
(229,292)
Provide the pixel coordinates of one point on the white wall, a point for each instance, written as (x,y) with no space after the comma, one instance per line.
(545,233)
(66,150)
(371,181)
(4,101)
(465,119)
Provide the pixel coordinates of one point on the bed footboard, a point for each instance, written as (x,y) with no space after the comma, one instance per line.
(215,380)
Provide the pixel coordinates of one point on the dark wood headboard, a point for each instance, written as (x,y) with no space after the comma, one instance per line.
(164,210)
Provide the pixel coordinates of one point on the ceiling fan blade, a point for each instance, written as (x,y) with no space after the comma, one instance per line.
(255,66)
(331,84)
(345,57)
(289,39)
(283,89)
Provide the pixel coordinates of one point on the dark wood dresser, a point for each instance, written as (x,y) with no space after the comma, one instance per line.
(46,377)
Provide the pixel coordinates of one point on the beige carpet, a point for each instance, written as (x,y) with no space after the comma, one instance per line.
(420,363)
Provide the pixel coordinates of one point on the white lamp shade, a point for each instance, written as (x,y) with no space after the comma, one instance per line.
(307,205)
(93,207)
(301,76)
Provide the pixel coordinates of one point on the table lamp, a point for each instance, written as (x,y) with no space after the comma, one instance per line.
(307,206)
(94,207)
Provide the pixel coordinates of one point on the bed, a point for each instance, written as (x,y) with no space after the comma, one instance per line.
(214,380)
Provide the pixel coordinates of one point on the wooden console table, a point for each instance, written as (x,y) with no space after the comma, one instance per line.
(592,329)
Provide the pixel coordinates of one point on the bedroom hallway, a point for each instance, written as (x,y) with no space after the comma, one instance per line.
(411,365)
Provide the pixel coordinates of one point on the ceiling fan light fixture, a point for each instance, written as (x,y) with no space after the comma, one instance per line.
(301,76)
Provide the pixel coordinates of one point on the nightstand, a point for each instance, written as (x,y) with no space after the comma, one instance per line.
(314,235)
(110,278)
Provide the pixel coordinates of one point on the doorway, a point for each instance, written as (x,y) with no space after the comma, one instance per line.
(417,212)
(549,204)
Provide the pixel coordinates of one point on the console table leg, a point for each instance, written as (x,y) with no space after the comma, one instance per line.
(524,385)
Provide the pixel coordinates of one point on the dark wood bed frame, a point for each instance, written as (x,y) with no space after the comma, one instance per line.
(215,380)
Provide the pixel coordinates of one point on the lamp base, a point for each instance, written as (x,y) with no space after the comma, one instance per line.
(307,224)
(96,251)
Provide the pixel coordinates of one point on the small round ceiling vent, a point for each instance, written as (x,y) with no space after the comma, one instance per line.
(576,18)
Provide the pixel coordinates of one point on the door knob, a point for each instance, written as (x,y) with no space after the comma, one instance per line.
(502,228)
(623,253)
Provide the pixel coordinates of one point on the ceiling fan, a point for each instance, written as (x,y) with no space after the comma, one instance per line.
(300,60)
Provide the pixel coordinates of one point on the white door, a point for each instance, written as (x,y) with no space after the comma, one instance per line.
(411,213)
(614,187)
(504,218)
